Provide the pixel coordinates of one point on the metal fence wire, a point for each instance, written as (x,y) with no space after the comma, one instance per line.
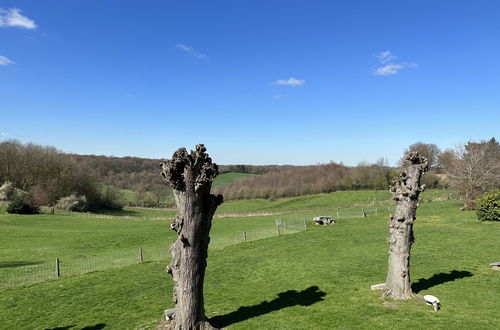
(15,275)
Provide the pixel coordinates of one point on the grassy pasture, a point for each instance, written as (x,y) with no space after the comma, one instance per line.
(221,180)
(228,178)
(315,279)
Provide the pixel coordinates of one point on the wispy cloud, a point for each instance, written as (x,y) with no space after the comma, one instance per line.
(391,69)
(289,82)
(12,18)
(386,68)
(278,96)
(385,56)
(4,61)
(191,51)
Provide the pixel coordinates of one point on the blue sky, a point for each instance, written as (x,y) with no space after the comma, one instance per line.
(258,82)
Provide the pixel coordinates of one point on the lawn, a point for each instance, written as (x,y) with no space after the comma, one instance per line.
(314,279)
(128,195)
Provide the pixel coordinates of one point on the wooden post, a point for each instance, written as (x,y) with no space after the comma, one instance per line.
(337,211)
(244,236)
(305,224)
(141,256)
(58,268)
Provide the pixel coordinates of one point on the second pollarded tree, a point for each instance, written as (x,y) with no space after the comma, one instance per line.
(405,192)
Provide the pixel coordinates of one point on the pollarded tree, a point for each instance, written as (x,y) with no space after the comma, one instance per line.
(405,192)
(191,176)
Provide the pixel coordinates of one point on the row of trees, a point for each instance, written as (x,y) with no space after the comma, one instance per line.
(470,169)
(47,175)
(304,180)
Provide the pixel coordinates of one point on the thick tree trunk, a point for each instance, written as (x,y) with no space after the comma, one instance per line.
(191,176)
(405,192)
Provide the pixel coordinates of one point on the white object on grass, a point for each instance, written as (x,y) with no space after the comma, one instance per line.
(433,301)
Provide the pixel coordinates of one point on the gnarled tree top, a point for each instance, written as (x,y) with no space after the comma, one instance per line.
(198,163)
(408,184)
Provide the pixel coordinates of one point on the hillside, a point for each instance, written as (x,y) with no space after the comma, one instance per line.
(319,278)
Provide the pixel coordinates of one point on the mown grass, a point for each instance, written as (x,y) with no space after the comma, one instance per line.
(317,279)
(322,202)
(228,178)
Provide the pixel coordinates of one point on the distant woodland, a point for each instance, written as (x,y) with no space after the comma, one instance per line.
(49,175)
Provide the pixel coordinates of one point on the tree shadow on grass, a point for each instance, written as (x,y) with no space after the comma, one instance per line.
(285,299)
(440,278)
(13,264)
(95,327)
(98,326)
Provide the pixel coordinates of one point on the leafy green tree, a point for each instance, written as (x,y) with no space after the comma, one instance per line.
(488,206)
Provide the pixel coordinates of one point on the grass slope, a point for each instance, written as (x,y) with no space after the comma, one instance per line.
(221,180)
(322,202)
(228,178)
(318,279)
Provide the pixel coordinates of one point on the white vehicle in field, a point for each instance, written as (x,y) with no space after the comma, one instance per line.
(324,220)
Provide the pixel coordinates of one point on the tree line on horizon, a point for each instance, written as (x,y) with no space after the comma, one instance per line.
(49,175)
(470,170)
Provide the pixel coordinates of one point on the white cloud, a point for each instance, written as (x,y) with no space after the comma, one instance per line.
(289,82)
(191,51)
(386,68)
(4,61)
(278,96)
(13,18)
(391,69)
(385,56)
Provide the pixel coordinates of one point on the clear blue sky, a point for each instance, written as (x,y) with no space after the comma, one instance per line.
(259,82)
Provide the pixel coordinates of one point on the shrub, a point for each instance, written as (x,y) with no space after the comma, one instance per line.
(72,203)
(23,203)
(111,199)
(488,206)
(7,191)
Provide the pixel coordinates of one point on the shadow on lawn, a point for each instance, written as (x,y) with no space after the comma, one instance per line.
(436,279)
(98,326)
(285,299)
(13,264)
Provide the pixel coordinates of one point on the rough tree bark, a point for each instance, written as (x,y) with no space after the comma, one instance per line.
(405,192)
(191,176)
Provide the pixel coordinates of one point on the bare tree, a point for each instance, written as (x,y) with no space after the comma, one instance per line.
(473,169)
(405,192)
(191,176)
(427,150)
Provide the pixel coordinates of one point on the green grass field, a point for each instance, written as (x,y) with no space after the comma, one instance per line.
(221,180)
(314,279)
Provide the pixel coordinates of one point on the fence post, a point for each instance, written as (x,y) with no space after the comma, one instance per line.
(305,224)
(244,236)
(337,211)
(58,267)
(284,225)
(141,256)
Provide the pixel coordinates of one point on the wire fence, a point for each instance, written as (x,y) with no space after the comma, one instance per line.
(15,274)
